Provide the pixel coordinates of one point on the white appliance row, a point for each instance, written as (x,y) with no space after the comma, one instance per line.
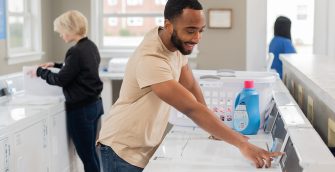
(33,136)
(287,129)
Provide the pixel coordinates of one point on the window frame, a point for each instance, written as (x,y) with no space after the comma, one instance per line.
(97,16)
(32,37)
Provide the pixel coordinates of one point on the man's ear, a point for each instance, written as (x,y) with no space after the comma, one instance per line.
(168,26)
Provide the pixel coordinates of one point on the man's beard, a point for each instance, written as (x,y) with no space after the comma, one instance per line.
(178,43)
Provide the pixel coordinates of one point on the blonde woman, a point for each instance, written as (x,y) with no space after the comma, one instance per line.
(79,78)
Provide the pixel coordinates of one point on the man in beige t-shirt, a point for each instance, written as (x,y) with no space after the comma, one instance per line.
(157,76)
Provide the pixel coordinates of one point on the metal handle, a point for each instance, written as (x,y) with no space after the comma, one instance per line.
(226,73)
(210,77)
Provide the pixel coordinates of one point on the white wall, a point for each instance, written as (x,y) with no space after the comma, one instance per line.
(324,28)
(331,28)
(256,35)
(58,8)
(321,27)
(224,48)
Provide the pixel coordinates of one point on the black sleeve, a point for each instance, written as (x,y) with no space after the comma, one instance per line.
(65,75)
(58,65)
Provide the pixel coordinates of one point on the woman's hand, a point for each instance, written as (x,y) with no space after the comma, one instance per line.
(47,65)
(32,72)
(258,156)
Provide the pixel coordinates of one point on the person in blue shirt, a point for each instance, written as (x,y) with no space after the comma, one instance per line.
(281,42)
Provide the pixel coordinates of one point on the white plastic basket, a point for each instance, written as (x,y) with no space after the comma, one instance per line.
(220,89)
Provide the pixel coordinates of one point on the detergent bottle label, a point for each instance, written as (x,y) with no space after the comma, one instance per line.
(241,118)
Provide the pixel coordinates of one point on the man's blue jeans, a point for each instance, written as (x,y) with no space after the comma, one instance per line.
(111,162)
(82,127)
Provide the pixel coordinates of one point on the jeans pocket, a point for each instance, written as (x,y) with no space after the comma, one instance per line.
(106,158)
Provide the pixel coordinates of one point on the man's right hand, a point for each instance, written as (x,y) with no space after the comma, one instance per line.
(258,156)
(47,65)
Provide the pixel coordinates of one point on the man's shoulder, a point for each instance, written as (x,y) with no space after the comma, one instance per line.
(151,37)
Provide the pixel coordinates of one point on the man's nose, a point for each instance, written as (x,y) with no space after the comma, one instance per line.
(196,38)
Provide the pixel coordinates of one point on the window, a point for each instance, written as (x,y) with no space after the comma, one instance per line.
(135,21)
(159,21)
(301,14)
(134,2)
(160,2)
(118,30)
(112,21)
(2,20)
(24,30)
(112,2)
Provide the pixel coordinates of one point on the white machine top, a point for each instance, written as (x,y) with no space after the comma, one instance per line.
(190,149)
(294,117)
(317,71)
(12,114)
(306,142)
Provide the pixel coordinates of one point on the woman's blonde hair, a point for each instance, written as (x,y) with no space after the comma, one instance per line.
(71,22)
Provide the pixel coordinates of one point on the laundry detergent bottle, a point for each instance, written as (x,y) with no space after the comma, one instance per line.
(246,113)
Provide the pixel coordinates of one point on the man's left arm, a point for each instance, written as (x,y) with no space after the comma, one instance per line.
(187,80)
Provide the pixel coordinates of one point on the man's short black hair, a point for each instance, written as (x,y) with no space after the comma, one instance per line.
(174,8)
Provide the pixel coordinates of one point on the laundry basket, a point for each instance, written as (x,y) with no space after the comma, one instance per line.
(220,89)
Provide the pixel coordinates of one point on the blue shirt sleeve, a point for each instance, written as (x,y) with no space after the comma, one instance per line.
(288,47)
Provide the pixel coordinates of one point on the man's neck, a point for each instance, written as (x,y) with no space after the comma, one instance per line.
(166,39)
